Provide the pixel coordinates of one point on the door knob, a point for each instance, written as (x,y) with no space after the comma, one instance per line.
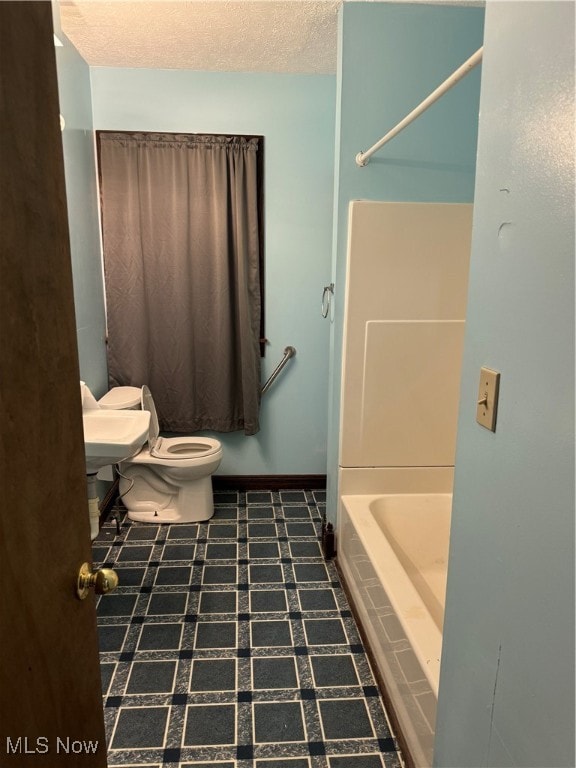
(104,580)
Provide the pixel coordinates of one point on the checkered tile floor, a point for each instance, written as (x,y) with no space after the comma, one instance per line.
(230,644)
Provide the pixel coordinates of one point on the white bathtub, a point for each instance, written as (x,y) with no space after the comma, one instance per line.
(393,552)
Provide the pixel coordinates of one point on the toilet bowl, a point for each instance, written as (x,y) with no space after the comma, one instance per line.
(170,479)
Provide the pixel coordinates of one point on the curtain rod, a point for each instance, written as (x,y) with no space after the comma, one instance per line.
(363,157)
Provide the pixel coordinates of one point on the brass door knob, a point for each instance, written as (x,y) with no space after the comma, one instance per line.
(104,580)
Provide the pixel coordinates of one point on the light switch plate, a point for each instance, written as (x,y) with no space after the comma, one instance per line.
(487,406)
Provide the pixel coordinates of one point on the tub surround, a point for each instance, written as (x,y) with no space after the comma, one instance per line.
(384,480)
(404,330)
(403,340)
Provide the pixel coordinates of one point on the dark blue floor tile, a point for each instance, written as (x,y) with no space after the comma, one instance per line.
(167,603)
(219,574)
(296,513)
(268,600)
(142,533)
(106,673)
(140,728)
(278,722)
(317,599)
(151,677)
(260,513)
(272,673)
(305,549)
(216,634)
(178,575)
(259,497)
(210,725)
(111,637)
(213,675)
(266,574)
(305,572)
(299,762)
(117,605)
(135,553)
(324,632)
(226,551)
(333,671)
(183,532)
(222,531)
(217,602)
(262,549)
(262,531)
(271,633)
(130,577)
(225,764)
(356,761)
(225,513)
(300,529)
(226,497)
(178,552)
(345,719)
(159,637)
(292,496)
(100,554)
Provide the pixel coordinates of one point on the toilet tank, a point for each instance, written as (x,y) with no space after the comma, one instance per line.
(122,399)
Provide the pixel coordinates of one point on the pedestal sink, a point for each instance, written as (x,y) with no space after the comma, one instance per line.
(111,436)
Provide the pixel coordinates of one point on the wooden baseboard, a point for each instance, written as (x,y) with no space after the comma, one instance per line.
(268,482)
(398,735)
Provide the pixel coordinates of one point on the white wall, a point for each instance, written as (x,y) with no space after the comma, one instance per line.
(507,676)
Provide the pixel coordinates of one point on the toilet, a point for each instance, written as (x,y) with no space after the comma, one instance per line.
(170,479)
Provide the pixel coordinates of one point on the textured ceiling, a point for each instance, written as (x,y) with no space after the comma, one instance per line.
(214,35)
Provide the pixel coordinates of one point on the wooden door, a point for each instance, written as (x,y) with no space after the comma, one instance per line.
(50,696)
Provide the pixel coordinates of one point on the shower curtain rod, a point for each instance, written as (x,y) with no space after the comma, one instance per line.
(363,157)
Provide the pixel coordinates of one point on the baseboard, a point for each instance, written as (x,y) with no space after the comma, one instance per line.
(109,500)
(268,482)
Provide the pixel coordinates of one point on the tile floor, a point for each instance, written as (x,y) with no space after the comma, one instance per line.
(230,644)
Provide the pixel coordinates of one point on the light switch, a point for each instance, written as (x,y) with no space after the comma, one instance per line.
(488,398)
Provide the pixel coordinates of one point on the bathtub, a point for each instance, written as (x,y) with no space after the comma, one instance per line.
(393,553)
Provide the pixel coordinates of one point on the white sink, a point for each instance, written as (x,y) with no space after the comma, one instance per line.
(111,436)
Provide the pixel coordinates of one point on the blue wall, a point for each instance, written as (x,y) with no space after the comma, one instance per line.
(295,113)
(507,679)
(386,66)
(391,57)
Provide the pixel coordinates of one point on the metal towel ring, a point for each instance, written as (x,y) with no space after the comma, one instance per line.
(327,294)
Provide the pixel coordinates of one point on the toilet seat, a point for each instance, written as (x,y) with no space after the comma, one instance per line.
(177,448)
(174,448)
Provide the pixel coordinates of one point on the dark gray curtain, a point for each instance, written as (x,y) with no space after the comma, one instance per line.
(182,268)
